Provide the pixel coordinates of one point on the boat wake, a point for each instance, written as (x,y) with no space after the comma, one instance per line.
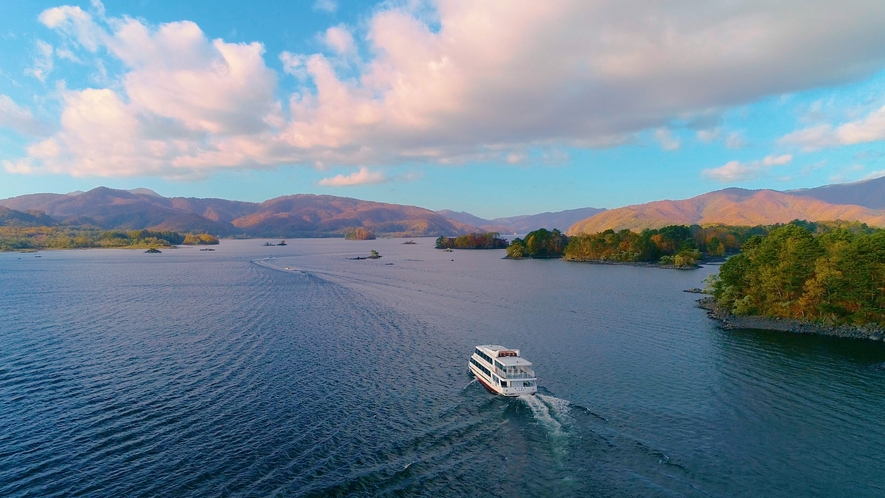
(553,415)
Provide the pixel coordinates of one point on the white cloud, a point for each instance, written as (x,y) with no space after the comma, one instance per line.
(735,140)
(709,135)
(497,76)
(184,107)
(811,138)
(517,158)
(736,171)
(339,39)
(17,118)
(472,80)
(329,6)
(99,7)
(67,54)
(361,177)
(294,64)
(43,62)
(666,139)
(777,160)
(731,140)
(868,129)
(74,22)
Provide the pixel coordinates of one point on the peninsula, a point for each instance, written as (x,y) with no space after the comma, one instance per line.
(805,277)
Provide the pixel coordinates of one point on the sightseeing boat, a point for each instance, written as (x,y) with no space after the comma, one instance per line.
(503,371)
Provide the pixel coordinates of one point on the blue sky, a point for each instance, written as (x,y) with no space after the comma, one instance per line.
(496,108)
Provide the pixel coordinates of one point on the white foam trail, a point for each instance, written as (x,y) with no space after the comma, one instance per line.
(559,406)
(468,384)
(548,411)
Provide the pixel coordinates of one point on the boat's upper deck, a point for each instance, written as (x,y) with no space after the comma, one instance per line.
(505,356)
(514,361)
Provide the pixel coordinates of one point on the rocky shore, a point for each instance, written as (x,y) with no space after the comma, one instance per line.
(729,321)
(641,264)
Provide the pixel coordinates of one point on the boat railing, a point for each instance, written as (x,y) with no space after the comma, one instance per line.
(514,376)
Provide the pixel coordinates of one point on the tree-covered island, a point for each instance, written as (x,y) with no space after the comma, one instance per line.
(487,240)
(61,237)
(675,246)
(823,278)
(830,274)
(359,233)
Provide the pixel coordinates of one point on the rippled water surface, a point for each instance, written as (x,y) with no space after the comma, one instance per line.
(197,373)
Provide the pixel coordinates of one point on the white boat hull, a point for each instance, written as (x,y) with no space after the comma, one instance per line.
(498,389)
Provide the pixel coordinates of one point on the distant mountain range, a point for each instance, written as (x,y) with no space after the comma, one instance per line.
(288,216)
(306,215)
(13,218)
(860,201)
(525,223)
(867,193)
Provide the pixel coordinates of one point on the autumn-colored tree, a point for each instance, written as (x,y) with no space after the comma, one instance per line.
(837,275)
(479,240)
(542,244)
(359,233)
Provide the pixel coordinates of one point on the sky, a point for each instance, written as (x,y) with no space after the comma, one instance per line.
(497,108)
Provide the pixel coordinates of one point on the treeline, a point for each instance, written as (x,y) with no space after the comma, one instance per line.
(799,271)
(359,234)
(677,245)
(14,239)
(539,244)
(202,239)
(487,240)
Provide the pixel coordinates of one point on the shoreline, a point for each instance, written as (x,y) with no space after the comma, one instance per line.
(639,264)
(728,321)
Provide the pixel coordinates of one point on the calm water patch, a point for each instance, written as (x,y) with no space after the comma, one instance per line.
(194,373)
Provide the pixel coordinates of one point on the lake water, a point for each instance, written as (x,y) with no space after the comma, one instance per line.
(197,373)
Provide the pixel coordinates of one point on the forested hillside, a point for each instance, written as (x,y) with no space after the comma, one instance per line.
(834,276)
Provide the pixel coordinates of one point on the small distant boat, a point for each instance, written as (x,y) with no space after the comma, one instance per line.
(502,371)
(448,249)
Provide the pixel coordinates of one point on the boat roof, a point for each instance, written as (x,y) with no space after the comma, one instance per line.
(514,361)
(500,354)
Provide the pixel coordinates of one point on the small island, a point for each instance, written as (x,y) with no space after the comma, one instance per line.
(359,234)
(486,240)
(675,246)
(71,237)
(373,254)
(822,278)
(199,239)
(153,250)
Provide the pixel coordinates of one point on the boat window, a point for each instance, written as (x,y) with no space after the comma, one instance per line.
(480,367)
(503,383)
(483,356)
